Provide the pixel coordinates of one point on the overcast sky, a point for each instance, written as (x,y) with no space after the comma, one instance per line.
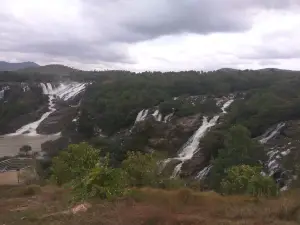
(152,34)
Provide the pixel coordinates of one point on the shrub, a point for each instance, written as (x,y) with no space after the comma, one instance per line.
(246,179)
(102,181)
(142,169)
(262,186)
(74,163)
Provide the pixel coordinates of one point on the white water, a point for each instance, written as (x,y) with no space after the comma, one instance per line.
(142,115)
(203,173)
(168,117)
(191,147)
(63,91)
(157,115)
(1,94)
(11,143)
(226,105)
(274,155)
(271,133)
(3,91)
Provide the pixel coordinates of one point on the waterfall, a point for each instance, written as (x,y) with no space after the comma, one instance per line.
(45,89)
(191,146)
(1,94)
(274,155)
(139,116)
(157,115)
(203,173)
(49,87)
(271,133)
(168,117)
(63,91)
(142,115)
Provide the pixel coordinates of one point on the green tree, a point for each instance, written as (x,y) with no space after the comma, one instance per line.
(239,149)
(74,163)
(25,150)
(142,169)
(245,179)
(102,181)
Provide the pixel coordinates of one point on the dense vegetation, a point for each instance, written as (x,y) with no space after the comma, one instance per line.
(16,102)
(116,97)
(90,175)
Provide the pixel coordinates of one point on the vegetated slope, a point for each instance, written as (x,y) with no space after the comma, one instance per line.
(122,111)
(7,66)
(56,69)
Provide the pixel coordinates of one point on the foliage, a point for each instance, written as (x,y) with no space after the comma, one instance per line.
(245,179)
(142,169)
(262,186)
(239,149)
(102,181)
(116,97)
(16,105)
(25,150)
(74,163)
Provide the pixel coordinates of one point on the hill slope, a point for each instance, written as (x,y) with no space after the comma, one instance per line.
(6,66)
(50,69)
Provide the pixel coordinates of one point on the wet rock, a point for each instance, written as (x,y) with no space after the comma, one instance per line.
(22,120)
(57,121)
(191,168)
(168,167)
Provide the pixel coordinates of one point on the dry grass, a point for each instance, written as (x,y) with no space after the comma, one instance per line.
(148,207)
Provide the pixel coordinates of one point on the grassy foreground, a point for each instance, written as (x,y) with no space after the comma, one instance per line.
(50,205)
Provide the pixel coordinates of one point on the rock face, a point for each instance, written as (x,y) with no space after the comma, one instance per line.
(156,135)
(57,121)
(283,151)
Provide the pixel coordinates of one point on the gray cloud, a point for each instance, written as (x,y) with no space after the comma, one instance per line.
(105,27)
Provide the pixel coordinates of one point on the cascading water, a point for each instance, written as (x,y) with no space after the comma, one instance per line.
(168,117)
(271,133)
(191,147)
(204,172)
(157,116)
(11,143)
(275,156)
(63,91)
(142,115)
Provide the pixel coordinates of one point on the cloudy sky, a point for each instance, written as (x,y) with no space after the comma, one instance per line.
(152,34)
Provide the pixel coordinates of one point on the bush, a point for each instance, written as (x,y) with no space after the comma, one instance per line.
(262,186)
(239,149)
(142,169)
(74,163)
(102,181)
(246,179)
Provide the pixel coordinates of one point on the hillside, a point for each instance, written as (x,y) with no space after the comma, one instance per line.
(56,69)
(191,118)
(6,66)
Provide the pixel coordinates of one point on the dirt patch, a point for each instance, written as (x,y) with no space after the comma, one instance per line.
(9,178)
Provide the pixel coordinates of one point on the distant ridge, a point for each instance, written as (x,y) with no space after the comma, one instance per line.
(57,69)
(7,66)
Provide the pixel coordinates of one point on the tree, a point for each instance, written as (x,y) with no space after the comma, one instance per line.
(101,181)
(25,150)
(142,169)
(239,149)
(74,163)
(245,179)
